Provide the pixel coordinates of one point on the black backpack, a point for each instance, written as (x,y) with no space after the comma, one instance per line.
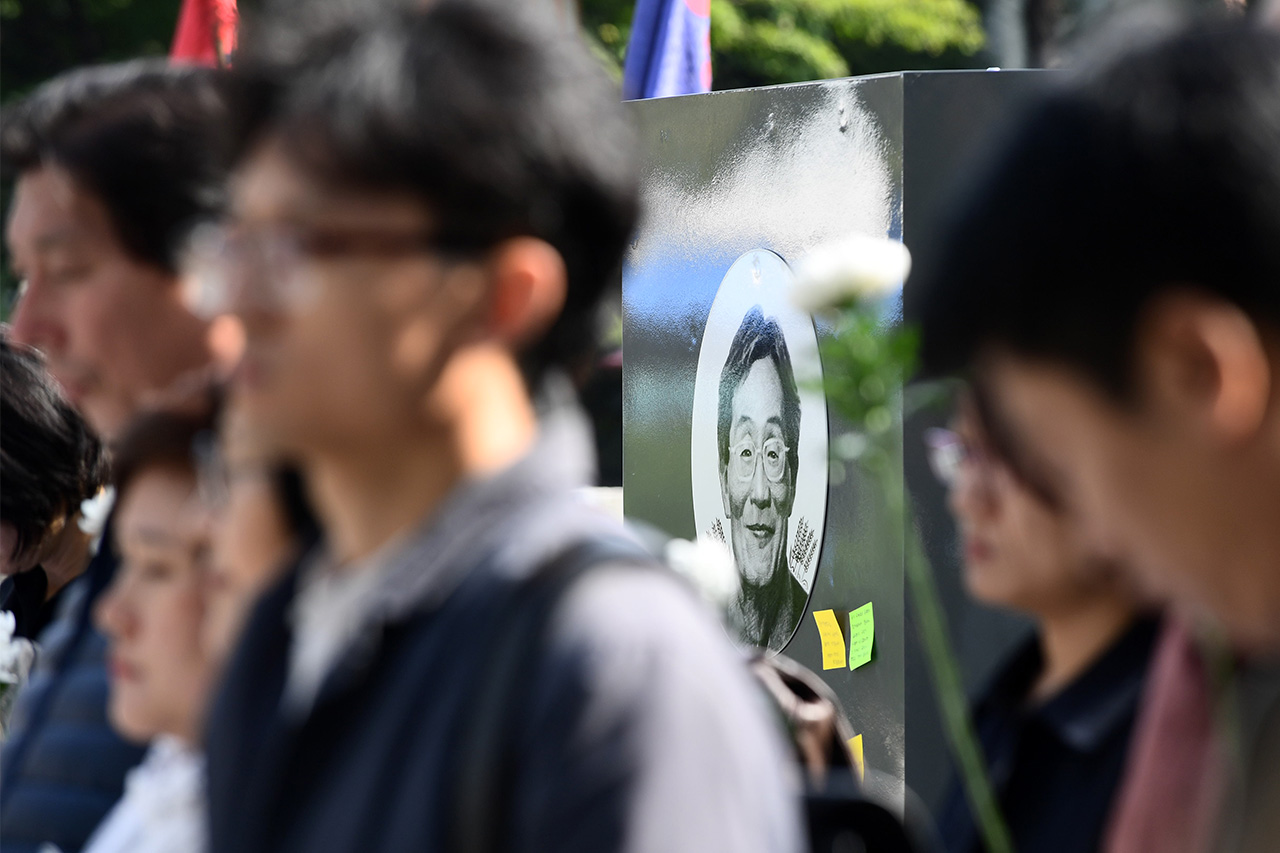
(840,814)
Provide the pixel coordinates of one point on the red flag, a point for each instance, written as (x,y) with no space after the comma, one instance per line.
(206,32)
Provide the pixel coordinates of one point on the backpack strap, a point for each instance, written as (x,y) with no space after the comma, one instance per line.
(486,754)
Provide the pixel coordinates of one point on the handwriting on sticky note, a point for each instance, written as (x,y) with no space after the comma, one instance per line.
(855,750)
(862,635)
(832,639)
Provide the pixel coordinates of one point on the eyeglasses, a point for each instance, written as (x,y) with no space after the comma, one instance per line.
(946,452)
(746,455)
(266,267)
(949,453)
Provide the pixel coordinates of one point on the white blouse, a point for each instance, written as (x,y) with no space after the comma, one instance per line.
(163,808)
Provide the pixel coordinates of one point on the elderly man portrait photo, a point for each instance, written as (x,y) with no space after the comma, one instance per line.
(758,435)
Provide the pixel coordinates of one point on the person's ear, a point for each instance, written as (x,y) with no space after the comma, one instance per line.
(1205,358)
(724,491)
(528,287)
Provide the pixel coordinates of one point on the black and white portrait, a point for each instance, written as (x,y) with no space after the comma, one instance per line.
(760,446)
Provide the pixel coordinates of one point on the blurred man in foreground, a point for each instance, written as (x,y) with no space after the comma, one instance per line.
(113,166)
(427,206)
(1115,287)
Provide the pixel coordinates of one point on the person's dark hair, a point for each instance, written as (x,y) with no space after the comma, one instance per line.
(167,435)
(142,137)
(757,339)
(1161,168)
(501,123)
(50,461)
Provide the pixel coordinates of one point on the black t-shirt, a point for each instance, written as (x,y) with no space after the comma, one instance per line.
(1055,765)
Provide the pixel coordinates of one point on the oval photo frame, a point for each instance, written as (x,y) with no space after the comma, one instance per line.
(752,320)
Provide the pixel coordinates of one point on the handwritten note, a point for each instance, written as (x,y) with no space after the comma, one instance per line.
(855,749)
(862,635)
(832,639)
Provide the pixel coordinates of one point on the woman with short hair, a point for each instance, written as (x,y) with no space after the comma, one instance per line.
(152,614)
(1055,722)
(50,463)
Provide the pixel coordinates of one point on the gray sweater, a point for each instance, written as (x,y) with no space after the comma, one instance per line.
(642,730)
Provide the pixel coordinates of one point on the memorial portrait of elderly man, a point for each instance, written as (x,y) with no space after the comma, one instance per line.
(758,433)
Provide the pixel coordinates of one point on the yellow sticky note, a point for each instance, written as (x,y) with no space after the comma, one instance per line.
(832,639)
(862,635)
(855,749)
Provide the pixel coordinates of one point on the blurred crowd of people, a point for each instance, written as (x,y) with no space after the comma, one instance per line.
(290,447)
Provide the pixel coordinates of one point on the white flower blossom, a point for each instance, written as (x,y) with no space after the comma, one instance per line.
(708,565)
(94,511)
(857,267)
(16,653)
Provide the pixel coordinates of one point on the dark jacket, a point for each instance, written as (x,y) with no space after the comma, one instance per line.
(640,729)
(63,766)
(25,595)
(1055,765)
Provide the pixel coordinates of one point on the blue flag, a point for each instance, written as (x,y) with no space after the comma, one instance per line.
(670,49)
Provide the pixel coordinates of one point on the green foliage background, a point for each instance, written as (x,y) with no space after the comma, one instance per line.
(40,38)
(764,42)
(753,42)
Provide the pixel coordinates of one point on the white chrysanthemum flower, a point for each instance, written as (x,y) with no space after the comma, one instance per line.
(855,267)
(708,565)
(16,654)
(94,511)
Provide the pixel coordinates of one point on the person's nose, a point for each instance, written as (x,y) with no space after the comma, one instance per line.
(113,614)
(37,319)
(760,492)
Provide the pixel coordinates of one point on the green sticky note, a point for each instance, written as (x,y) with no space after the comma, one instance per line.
(832,640)
(862,635)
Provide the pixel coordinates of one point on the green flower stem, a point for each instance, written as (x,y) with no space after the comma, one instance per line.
(864,364)
(947,685)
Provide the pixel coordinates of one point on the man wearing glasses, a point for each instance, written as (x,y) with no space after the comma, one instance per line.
(428,204)
(758,431)
(1124,349)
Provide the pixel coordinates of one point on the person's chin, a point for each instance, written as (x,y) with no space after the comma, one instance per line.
(108,418)
(264,413)
(252,378)
(130,721)
(760,565)
(984,588)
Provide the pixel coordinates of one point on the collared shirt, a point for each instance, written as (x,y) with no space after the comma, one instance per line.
(162,810)
(1168,798)
(1055,765)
